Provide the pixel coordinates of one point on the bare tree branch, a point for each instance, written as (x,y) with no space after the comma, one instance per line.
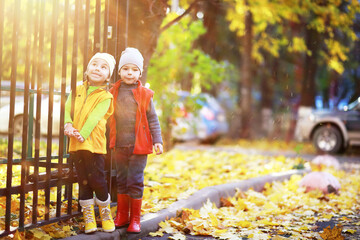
(181,16)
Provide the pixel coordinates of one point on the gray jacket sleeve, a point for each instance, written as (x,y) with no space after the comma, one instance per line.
(154,124)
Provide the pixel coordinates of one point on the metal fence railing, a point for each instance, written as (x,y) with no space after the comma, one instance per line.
(44,48)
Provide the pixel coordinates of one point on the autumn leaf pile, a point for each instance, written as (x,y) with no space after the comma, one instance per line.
(15,203)
(281,210)
(55,230)
(178,174)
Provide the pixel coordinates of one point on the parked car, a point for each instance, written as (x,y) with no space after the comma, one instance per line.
(201,118)
(19,111)
(331,131)
(19,108)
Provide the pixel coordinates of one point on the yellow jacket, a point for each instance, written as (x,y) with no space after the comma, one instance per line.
(84,105)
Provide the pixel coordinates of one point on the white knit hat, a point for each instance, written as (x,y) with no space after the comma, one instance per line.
(131,55)
(108,58)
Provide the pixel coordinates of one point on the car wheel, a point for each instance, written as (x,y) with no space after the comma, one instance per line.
(328,139)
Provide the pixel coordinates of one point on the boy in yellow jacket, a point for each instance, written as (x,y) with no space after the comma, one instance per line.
(93,106)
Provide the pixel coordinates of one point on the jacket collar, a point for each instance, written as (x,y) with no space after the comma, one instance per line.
(117,84)
(86,84)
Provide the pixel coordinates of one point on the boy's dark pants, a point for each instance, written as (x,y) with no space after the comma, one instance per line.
(91,175)
(130,172)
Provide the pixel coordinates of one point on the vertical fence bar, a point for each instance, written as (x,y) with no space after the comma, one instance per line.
(117,25)
(62,108)
(40,78)
(2,10)
(51,107)
(105,49)
(25,116)
(127,23)
(97,30)
(86,34)
(106,24)
(73,90)
(33,76)
(11,114)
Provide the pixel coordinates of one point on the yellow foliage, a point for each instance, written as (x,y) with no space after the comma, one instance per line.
(336,65)
(244,224)
(241,205)
(352,231)
(186,172)
(298,45)
(38,234)
(18,236)
(281,209)
(332,234)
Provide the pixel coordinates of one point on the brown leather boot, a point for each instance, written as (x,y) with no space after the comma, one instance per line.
(122,214)
(135,213)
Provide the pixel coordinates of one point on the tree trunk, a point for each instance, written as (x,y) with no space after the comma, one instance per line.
(266,107)
(218,41)
(308,90)
(140,28)
(356,73)
(267,81)
(245,88)
(357,88)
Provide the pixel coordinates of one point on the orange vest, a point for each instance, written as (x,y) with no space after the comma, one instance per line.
(143,138)
(84,105)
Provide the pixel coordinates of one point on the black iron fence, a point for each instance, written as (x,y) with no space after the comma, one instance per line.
(44,47)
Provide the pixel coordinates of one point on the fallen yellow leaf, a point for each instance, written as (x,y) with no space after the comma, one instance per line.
(332,233)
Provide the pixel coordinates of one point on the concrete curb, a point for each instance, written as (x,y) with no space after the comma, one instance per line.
(150,221)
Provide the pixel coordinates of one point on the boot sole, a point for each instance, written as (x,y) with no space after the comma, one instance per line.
(110,230)
(133,232)
(91,230)
(124,225)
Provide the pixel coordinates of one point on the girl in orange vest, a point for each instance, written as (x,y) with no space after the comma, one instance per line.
(93,106)
(134,132)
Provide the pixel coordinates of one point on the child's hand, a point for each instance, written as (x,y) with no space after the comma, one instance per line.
(78,136)
(69,130)
(158,148)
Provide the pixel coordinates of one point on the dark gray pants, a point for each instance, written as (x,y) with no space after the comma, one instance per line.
(129,172)
(91,175)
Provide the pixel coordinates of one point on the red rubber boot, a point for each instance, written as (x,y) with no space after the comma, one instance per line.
(122,214)
(135,213)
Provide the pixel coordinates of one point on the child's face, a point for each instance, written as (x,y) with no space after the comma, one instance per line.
(98,72)
(130,73)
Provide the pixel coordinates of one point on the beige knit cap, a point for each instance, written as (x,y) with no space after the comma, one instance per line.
(131,55)
(108,58)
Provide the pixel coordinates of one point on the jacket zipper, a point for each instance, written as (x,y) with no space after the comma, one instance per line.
(82,107)
(145,134)
(139,109)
